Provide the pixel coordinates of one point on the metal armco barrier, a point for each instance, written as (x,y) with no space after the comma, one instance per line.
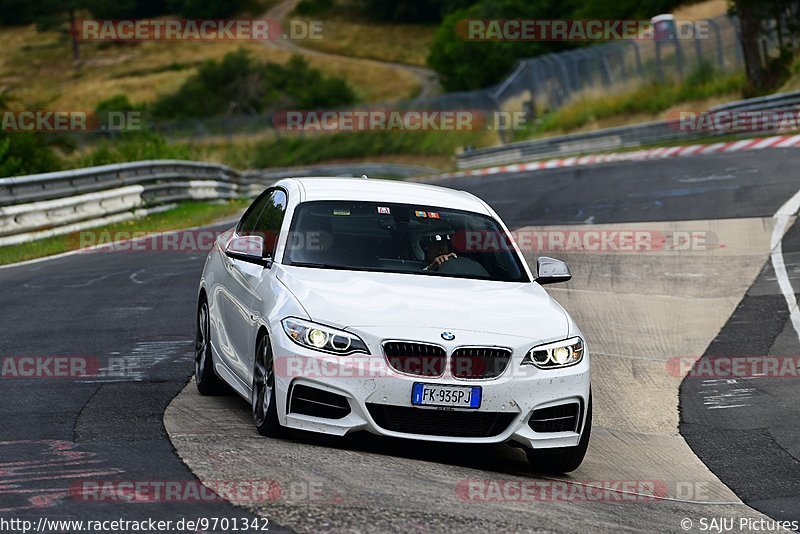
(43,205)
(635,135)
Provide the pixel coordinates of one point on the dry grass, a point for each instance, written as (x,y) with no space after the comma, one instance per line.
(398,43)
(702,10)
(371,82)
(37,69)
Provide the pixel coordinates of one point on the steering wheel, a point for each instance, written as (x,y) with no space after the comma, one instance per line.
(461,265)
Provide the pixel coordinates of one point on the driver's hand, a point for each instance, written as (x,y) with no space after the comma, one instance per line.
(440,260)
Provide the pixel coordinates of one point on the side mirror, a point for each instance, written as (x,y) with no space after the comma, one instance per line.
(552,271)
(249,249)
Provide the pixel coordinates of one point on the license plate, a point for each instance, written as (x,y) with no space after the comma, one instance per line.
(451,396)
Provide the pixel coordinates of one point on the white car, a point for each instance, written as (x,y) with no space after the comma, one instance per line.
(339,304)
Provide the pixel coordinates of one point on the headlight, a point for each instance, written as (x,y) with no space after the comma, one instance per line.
(556,355)
(323,338)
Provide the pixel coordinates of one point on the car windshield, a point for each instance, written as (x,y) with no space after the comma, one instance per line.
(401,238)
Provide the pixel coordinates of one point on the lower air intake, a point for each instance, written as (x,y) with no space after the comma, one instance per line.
(450,423)
(315,402)
(561,418)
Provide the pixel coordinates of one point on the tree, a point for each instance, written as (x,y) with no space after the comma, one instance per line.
(210,9)
(464,65)
(16,12)
(472,64)
(59,15)
(763,21)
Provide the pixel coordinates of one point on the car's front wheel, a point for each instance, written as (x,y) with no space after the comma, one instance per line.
(265,409)
(208,383)
(562,459)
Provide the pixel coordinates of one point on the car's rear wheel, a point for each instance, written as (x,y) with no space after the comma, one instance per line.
(208,383)
(562,459)
(265,409)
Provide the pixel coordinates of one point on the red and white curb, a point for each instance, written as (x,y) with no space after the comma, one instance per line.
(778,141)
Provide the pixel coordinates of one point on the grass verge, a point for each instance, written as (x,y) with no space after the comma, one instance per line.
(646,102)
(185,215)
(413,148)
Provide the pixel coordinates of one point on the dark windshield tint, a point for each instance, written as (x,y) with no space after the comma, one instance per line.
(388,237)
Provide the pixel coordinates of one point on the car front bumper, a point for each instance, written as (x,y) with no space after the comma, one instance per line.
(369,385)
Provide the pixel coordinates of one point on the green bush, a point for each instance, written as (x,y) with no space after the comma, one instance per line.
(239,85)
(133,147)
(311,149)
(117,103)
(26,153)
(318,8)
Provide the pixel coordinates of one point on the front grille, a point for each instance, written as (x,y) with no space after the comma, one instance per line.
(419,359)
(315,402)
(479,362)
(561,418)
(449,423)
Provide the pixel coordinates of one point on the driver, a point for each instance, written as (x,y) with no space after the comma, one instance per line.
(436,247)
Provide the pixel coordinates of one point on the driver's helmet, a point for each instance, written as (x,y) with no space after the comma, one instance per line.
(431,236)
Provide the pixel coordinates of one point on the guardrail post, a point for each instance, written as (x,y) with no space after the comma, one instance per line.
(718,41)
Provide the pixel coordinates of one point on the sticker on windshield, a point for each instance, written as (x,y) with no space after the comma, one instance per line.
(341,212)
(433,215)
(421,214)
(384,210)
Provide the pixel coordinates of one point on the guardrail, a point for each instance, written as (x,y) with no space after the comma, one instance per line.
(632,136)
(44,205)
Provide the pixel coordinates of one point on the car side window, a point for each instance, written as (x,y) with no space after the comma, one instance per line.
(248,220)
(269,222)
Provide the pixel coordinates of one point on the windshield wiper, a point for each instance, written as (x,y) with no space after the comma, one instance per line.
(318,265)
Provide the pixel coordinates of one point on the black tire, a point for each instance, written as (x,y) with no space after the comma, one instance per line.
(208,383)
(562,459)
(265,409)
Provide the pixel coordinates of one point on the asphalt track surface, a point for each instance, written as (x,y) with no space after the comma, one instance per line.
(140,307)
(724,186)
(57,432)
(745,428)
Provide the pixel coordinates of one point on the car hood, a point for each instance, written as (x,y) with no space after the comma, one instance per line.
(352,299)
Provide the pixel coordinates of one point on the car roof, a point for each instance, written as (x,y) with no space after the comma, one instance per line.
(324,188)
